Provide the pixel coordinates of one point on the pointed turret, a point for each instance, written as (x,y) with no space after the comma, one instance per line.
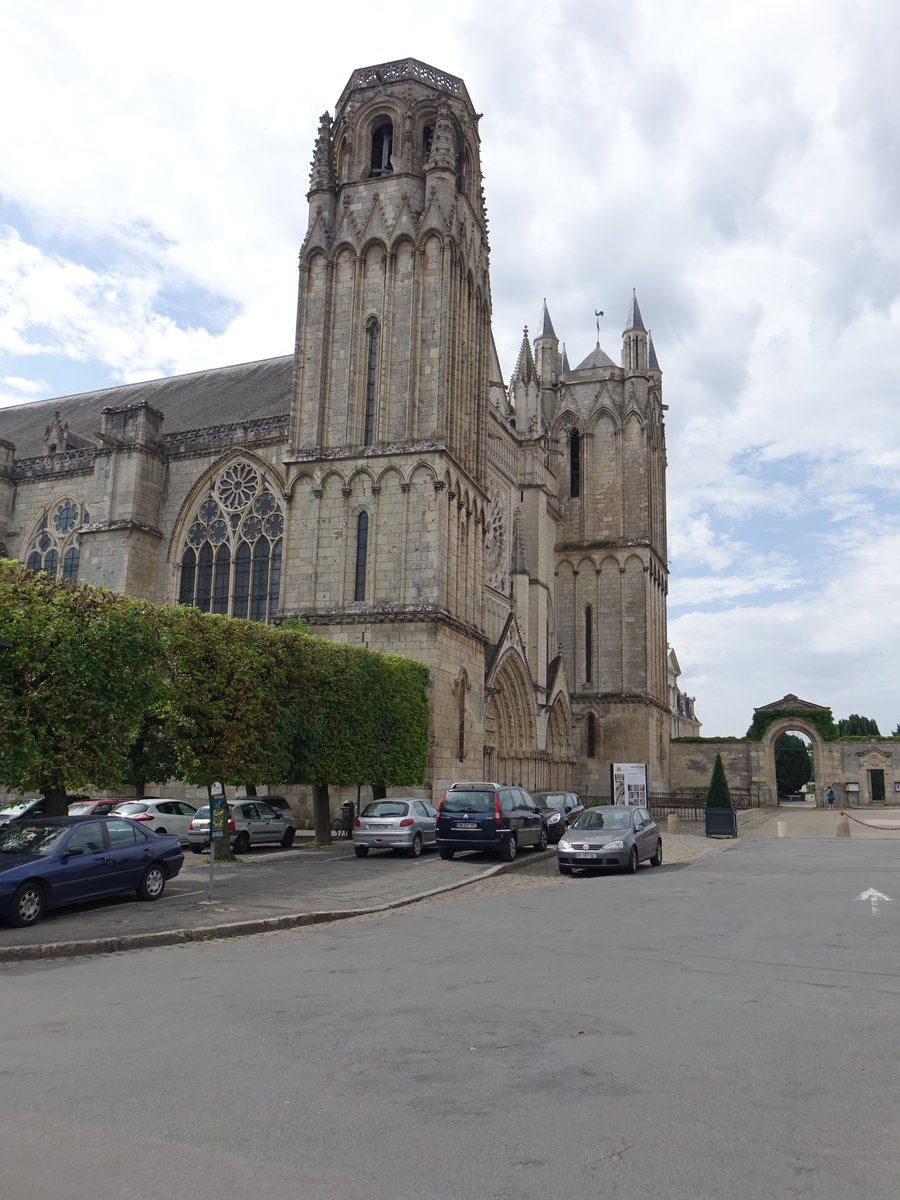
(321,175)
(634,340)
(546,351)
(525,370)
(565,361)
(652,361)
(525,391)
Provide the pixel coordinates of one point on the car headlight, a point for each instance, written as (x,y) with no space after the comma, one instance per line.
(564,845)
(618,844)
(553,819)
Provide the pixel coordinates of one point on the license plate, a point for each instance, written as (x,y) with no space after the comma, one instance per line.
(465,825)
(587,854)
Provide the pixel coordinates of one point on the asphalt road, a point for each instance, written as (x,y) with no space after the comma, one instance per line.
(720,1029)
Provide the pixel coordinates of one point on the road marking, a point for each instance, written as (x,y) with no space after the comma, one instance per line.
(874,897)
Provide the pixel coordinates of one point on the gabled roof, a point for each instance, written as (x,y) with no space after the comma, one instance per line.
(203,399)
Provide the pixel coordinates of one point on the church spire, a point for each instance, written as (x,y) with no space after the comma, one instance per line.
(635,321)
(652,361)
(547,330)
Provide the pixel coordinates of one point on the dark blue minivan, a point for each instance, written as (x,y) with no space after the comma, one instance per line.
(489,816)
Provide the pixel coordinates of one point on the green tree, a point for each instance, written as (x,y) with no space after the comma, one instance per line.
(792,764)
(718,795)
(74,684)
(857,726)
(227,713)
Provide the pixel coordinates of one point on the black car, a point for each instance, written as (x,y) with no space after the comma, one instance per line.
(560,809)
(489,816)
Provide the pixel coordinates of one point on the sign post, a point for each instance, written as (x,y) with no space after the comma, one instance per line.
(216,826)
(628,783)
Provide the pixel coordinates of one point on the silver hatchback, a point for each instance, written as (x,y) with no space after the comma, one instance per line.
(250,823)
(403,824)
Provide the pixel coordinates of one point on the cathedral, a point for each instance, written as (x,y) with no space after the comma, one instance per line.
(384,482)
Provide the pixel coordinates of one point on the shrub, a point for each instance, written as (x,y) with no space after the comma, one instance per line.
(718,795)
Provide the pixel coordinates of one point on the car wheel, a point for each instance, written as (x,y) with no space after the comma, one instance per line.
(153,884)
(446,853)
(197,849)
(632,861)
(564,869)
(509,850)
(360,851)
(288,839)
(416,848)
(656,860)
(541,843)
(159,830)
(241,843)
(28,904)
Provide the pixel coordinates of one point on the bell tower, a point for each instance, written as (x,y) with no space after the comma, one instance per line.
(386,463)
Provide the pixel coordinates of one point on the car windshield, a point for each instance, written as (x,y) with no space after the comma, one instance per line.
(603,818)
(31,839)
(202,813)
(12,808)
(555,800)
(385,808)
(127,810)
(468,801)
(80,810)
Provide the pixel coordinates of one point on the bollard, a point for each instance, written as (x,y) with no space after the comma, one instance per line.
(673,824)
(843,827)
(782,828)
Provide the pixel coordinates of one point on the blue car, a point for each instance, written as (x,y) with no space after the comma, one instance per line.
(49,862)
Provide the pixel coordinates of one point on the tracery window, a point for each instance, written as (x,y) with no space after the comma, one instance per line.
(56,546)
(231,557)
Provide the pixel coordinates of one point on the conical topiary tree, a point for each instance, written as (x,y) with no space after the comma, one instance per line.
(718,795)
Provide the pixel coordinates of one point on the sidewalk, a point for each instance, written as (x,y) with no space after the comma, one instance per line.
(271,889)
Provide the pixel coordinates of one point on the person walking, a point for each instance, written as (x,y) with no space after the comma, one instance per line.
(830,799)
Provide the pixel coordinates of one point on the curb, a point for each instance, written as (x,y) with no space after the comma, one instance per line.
(176,937)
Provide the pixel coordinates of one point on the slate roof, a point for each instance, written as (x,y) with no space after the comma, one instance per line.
(596,358)
(201,400)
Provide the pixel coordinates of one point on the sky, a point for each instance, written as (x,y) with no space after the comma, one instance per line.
(737,165)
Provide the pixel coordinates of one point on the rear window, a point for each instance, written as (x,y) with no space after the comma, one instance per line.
(385,808)
(128,810)
(480,802)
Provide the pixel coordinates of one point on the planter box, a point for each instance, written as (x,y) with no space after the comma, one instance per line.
(721,822)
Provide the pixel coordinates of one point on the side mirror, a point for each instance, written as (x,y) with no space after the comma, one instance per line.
(73,853)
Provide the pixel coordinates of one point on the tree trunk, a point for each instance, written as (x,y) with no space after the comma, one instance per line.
(322,813)
(55,799)
(379,791)
(249,789)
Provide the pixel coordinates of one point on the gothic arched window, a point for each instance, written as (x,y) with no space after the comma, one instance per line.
(371,376)
(574,464)
(382,139)
(362,539)
(231,556)
(56,544)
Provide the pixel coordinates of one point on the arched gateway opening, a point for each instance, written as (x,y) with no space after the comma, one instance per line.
(768,776)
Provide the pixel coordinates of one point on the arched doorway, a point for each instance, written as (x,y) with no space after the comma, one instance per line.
(823,770)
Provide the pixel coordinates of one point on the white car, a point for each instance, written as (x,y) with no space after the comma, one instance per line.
(162,816)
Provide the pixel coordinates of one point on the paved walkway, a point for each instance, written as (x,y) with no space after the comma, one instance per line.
(273,889)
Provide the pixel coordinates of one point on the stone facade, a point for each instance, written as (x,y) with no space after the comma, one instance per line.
(383,481)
